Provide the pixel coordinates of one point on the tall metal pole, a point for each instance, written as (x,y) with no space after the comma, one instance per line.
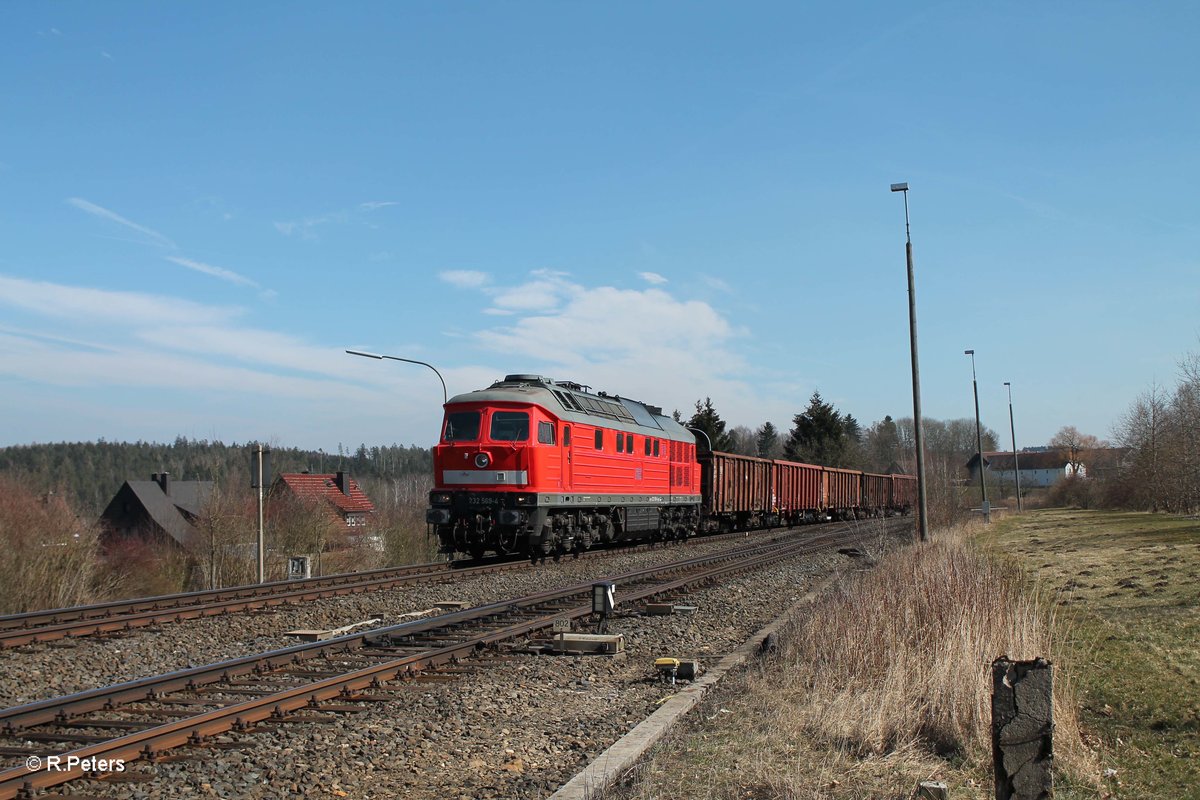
(985,508)
(918,434)
(262,575)
(1013,428)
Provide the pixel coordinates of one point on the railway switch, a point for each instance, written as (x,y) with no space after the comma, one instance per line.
(667,668)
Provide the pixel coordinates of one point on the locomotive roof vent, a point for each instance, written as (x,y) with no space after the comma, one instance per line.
(524,379)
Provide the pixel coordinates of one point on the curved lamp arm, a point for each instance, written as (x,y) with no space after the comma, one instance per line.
(445,396)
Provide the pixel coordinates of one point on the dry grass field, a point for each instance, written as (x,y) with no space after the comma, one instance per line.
(886,682)
(1127,587)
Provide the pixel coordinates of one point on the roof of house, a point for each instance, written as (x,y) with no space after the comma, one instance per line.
(172,513)
(310,486)
(1003,462)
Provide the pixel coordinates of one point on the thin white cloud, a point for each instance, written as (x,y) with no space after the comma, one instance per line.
(540,295)
(306,227)
(216,272)
(83,304)
(79,336)
(53,338)
(219,378)
(465,278)
(716,283)
(652,277)
(99,211)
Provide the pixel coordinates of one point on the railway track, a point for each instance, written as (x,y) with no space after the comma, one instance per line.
(144,718)
(34,627)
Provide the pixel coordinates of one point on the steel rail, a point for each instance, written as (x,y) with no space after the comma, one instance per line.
(55,616)
(195,729)
(12,720)
(18,630)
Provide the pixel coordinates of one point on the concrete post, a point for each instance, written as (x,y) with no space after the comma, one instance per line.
(932,790)
(1023,729)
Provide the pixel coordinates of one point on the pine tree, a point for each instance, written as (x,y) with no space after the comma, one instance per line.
(819,435)
(882,442)
(708,420)
(767,441)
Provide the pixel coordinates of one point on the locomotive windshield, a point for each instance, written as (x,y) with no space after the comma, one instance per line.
(510,426)
(462,426)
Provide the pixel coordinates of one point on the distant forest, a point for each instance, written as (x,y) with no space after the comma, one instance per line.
(88,474)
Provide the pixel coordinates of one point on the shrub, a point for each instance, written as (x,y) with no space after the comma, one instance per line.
(142,567)
(49,554)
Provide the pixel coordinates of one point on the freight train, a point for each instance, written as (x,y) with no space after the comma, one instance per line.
(535,467)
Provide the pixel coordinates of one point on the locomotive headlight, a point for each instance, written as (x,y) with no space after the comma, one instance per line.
(482,460)
(524,499)
(440,498)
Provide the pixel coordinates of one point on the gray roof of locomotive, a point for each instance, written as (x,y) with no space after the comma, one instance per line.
(572,402)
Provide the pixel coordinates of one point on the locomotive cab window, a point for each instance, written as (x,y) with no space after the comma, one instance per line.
(647,447)
(629,444)
(620,442)
(546,432)
(510,426)
(462,426)
(566,435)
(656,448)
(599,439)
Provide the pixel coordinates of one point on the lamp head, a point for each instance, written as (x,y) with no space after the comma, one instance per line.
(968,352)
(1006,383)
(900,187)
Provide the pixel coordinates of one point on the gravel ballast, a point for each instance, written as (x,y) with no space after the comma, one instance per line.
(520,727)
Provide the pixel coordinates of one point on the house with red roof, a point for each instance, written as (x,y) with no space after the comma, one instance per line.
(338,490)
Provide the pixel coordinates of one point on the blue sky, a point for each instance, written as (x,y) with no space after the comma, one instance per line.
(203,204)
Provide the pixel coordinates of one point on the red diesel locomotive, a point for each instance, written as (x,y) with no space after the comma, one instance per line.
(534,467)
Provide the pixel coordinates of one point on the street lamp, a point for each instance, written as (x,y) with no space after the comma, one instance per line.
(1013,428)
(985,508)
(918,435)
(445,396)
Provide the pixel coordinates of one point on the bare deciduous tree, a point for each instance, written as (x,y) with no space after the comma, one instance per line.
(1160,434)
(1074,444)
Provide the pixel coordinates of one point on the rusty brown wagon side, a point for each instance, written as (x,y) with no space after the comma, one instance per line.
(843,492)
(799,490)
(736,490)
(876,494)
(903,493)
